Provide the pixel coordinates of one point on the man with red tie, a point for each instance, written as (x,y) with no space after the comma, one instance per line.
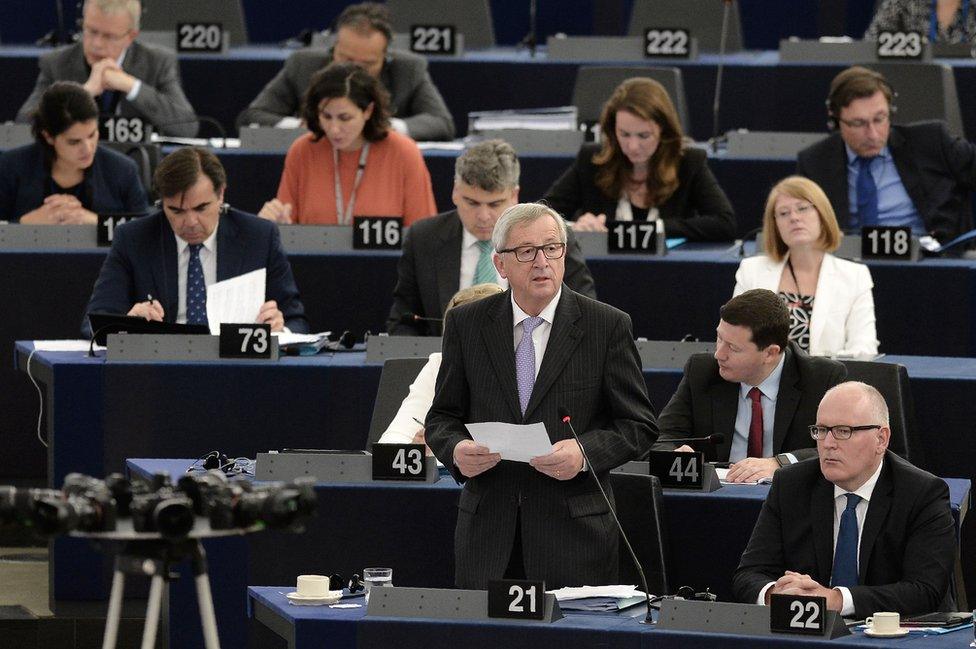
(758,389)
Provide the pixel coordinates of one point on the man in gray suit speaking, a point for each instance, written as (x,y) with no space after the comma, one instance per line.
(363,37)
(516,357)
(126,78)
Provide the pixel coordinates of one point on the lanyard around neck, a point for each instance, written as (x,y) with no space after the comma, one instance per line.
(934,21)
(344,217)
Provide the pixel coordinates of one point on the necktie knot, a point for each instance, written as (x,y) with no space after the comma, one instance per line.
(529,325)
(484,246)
(865,162)
(195,249)
(852,501)
(756,395)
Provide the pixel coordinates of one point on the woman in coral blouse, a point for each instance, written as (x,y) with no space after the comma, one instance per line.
(351,163)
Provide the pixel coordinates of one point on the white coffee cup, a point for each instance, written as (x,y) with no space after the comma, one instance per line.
(884,623)
(313,585)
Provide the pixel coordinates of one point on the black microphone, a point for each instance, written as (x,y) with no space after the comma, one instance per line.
(566,419)
(716,138)
(411,318)
(715,438)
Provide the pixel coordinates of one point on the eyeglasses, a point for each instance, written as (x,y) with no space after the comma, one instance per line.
(840,432)
(526,254)
(801,209)
(877,120)
(92,33)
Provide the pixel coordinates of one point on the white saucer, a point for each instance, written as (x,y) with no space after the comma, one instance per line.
(897,634)
(304,600)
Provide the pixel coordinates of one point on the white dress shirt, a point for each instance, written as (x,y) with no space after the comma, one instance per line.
(865,491)
(743,418)
(470,254)
(540,335)
(208,259)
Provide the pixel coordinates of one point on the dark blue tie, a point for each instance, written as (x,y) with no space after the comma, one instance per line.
(845,554)
(108,100)
(867,193)
(196,288)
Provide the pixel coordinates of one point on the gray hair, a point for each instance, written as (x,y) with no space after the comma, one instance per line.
(523,214)
(491,165)
(132,7)
(875,400)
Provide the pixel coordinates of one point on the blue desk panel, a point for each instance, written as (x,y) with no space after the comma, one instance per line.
(314,625)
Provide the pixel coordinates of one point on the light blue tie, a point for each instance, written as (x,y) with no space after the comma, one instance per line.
(845,554)
(196,288)
(484,272)
(525,361)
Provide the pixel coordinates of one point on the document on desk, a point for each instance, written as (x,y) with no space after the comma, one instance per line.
(515,442)
(237,299)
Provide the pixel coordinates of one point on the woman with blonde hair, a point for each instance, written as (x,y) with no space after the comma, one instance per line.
(642,170)
(830,301)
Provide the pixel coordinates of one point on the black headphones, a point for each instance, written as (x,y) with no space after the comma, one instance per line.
(843,80)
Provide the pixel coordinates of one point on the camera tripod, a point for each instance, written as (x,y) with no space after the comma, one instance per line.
(150,554)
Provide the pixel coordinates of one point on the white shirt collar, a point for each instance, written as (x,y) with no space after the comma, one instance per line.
(852,157)
(468,239)
(866,489)
(547,314)
(210,243)
(770,385)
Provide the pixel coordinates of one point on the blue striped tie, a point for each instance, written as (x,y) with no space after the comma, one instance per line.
(484,272)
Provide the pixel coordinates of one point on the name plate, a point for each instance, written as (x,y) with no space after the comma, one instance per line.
(516,599)
(667,42)
(797,614)
(900,45)
(678,470)
(124,130)
(885,242)
(399,462)
(640,237)
(107,224)
(245,340)
(433,39)
(377,232)
(200,37)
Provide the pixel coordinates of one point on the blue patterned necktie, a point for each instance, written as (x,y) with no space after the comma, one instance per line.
(525,361)
(867,193)
(484,272)
(196,288)
(845,554)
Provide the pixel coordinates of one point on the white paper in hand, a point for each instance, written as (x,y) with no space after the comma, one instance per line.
(235,300)
(515,442)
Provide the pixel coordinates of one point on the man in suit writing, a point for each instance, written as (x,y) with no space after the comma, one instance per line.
(517,357)
(160,265)
(861,527)
(126,78)
(758,389)
(876,173)
(452,251)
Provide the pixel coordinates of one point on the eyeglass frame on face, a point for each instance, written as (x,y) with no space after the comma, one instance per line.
(560,246)
(859,124)
(815,429)
(800,209)
(92,33)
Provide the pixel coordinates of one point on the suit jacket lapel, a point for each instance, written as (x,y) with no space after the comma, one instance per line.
(447,260)
(164,269)
(500,342)
(564,337)
(724,397)
(230,250)
(827,284)
(836,184)
(822,520)
(911,179)
(878,509)
(787,400)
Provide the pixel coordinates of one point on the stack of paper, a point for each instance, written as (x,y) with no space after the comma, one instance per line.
(563,118)
(598,599)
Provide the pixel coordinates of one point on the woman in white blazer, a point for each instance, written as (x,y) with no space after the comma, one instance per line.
(404,428)
(830,300)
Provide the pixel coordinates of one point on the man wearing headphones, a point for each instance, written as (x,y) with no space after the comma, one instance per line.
(877,173)
(160,265)
(363,35)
